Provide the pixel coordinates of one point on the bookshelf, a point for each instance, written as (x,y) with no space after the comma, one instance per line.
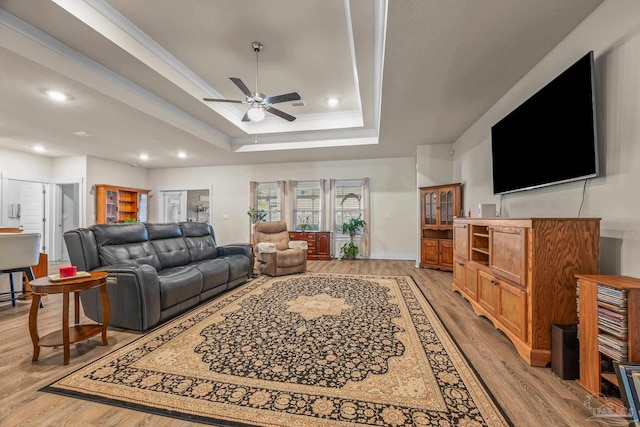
(119,204)
(609,331)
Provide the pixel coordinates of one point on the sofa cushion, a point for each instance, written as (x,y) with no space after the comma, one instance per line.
(172,252)
(200,240)
(178,284)
(118,234)
(169,230)
(130,253)
(215,272)
(239,265)
(124,244)
(280,239)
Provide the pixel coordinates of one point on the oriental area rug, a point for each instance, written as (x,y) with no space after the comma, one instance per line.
(301,350)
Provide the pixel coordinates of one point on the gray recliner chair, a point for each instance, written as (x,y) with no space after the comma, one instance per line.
(276,255)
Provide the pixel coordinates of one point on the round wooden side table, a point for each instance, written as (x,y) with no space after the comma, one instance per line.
(78,332)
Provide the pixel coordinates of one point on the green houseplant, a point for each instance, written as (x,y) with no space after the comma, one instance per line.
(350,250)
(256,215)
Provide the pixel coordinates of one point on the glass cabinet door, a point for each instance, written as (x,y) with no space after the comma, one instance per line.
(430,208)
(142,207)
(111,207)
(446,207)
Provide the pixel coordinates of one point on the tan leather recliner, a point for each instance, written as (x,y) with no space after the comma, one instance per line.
(276,255)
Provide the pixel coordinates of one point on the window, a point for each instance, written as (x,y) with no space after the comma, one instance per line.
(307,205)
(268,200)
(350,199)
(348,202)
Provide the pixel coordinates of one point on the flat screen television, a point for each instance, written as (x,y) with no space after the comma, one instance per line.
(551,138)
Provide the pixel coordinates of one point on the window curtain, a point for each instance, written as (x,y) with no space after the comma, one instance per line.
(253,186)
(332,205)
(366,205)
(283,206)
(292,184)
(323,205)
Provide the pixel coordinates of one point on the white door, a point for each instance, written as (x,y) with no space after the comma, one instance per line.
(174,206)
(32,209)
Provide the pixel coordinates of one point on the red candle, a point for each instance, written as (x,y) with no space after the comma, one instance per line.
(69,271)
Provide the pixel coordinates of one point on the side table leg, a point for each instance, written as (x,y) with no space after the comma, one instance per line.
(65,326)
(76,306)
(33,326)
(105,313)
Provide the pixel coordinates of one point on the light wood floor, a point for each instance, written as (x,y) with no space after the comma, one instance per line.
(529,396)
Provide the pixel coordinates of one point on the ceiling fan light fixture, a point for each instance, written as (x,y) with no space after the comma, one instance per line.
(256,114)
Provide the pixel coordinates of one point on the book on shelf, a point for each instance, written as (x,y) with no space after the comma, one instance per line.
(612,296)
(613,342)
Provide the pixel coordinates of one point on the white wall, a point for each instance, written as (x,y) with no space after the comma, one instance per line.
(613,32)
(435,165)
(393,196)
(19,165)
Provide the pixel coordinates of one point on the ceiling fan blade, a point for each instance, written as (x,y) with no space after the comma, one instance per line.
(243,87)
(246,118)
(280,113)
(293,96)
(223,100)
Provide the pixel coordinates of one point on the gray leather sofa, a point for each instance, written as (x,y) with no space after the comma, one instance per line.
(160,270)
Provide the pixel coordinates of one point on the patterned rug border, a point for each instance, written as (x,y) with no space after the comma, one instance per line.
(464,355)
(210,420)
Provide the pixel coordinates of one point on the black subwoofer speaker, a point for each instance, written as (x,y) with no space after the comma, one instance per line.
(565,351)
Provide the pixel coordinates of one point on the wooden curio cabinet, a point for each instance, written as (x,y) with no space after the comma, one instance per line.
(439,205)
(120,204)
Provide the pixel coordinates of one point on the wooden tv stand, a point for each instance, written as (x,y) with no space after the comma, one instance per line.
(520,274)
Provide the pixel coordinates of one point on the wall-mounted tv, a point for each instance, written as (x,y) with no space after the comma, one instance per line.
(551,138)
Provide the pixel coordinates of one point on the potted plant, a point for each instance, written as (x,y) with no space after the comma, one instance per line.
(350,250)
(304,223)
(256,215)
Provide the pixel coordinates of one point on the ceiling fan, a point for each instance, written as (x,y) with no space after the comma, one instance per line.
(259,102)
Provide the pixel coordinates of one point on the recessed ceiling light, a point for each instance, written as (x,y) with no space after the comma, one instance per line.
(182,154)
(82,133)
(56,95)
(332,102)
(39,149)
(143,156)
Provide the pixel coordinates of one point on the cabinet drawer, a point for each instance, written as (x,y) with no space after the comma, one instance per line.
(508,253)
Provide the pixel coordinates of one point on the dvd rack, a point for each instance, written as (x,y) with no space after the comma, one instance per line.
(612,322)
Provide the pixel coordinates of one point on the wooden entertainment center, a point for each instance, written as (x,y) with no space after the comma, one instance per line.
(520,274)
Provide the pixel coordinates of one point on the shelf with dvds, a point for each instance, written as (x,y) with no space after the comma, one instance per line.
(609,331)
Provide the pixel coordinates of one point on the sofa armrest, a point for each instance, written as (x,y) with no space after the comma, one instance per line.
(134,298)
(236,249)
(265,248)
(298,244)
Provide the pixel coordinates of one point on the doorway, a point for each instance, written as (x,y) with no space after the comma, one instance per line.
(180,204)
(66,217)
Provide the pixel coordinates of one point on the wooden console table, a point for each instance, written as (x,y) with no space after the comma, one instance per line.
(318,243)
(67,334)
